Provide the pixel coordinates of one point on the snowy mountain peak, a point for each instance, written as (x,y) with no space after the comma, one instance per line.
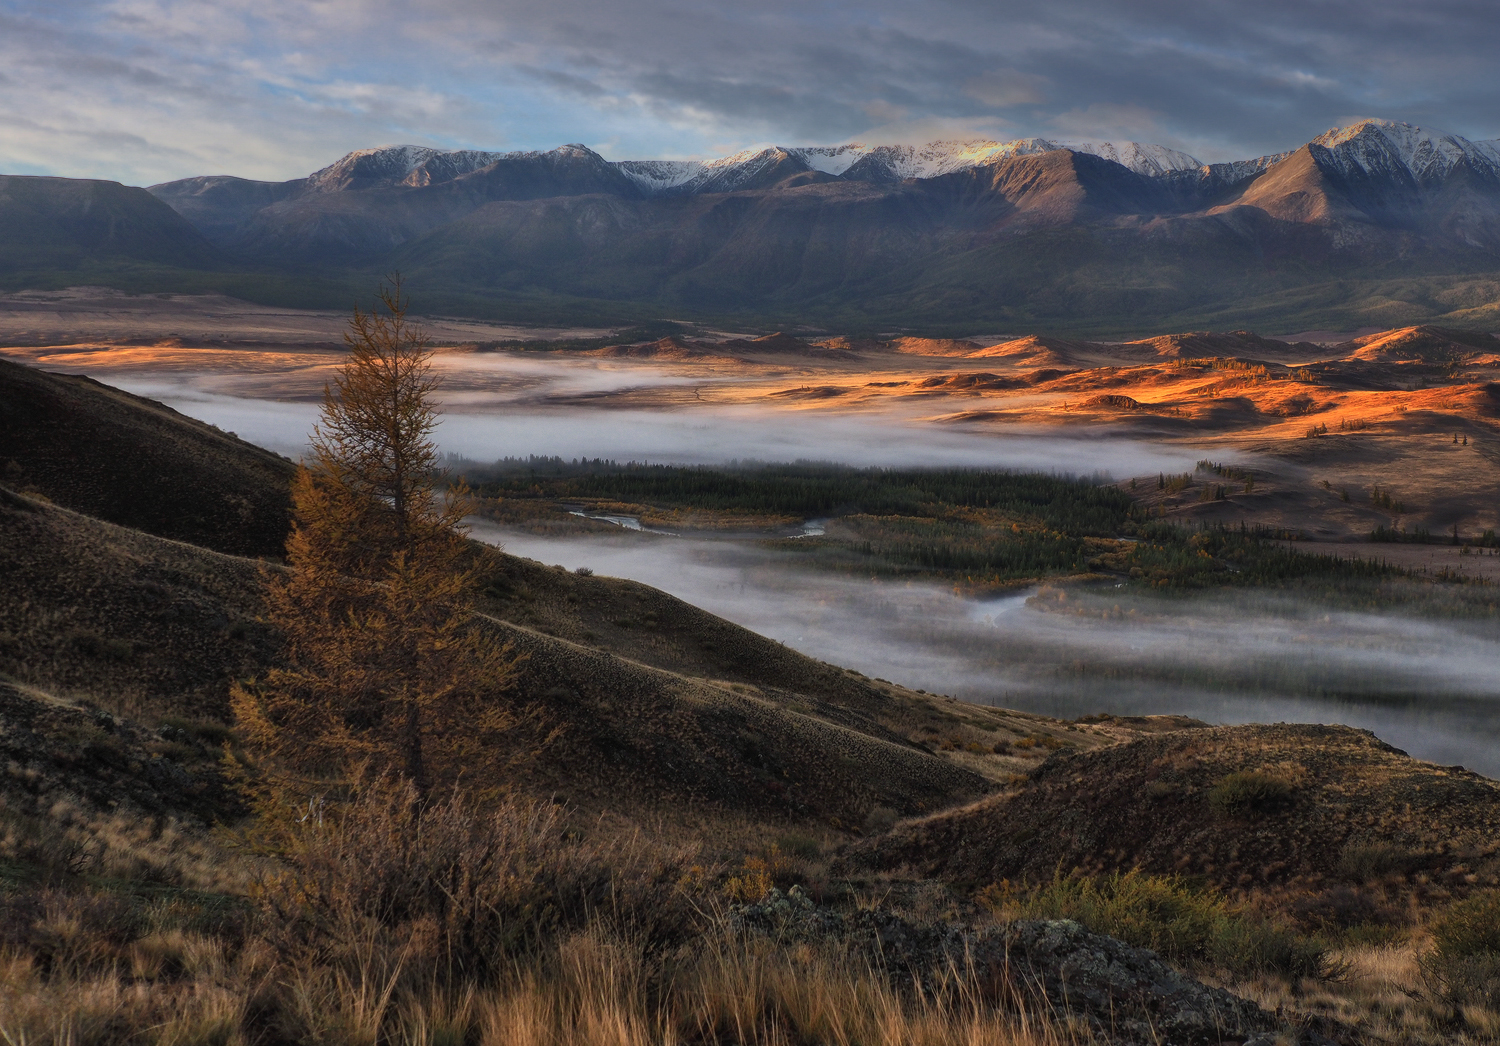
(655,177)
(830,159)
(418,165)
(881,163)
(1152,160)
(1368,148)
(1386,147)
(398,165)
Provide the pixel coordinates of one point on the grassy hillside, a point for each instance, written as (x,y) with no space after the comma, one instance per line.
(134,462)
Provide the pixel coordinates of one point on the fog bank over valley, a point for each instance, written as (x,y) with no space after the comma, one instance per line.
(1429,687)
(1234,656)
(503,407)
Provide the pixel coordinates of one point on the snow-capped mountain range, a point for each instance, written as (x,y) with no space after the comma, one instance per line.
(978,233)
(975,221)
(1369,147)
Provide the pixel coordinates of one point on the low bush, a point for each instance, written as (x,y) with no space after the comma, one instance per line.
(469,886)
(1251,792)
(103,648)
(1366,862)
(1168,916)
(1464,965)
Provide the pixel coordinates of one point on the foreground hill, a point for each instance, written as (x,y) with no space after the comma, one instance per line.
(153,631)
(1324,816)
(140,464)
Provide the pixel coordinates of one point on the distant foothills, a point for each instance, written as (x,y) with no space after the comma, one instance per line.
(1377,223)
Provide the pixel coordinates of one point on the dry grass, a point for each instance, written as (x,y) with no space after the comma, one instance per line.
(393,924)
(592,989)
(1384,995)
(59,836)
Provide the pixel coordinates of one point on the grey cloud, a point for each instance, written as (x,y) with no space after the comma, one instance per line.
(1003,88)
(566,82)
(653,77)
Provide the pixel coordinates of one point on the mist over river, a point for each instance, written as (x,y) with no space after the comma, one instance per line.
(1431,687)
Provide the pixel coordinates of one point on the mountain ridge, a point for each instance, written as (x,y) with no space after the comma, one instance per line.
(1375,223)
(1357,145)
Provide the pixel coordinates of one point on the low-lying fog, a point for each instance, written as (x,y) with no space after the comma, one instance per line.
(496,408)
(1431,688)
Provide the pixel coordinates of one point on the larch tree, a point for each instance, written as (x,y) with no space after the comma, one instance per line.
(384,667)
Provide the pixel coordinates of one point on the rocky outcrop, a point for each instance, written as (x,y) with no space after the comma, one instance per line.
(1126,995)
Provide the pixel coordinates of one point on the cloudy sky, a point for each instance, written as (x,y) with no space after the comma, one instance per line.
(147,90)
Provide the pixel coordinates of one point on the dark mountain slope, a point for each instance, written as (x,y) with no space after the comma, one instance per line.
(1031,239)
(363,206)
(68,223)
(138,463)
(1377,223)
(220,205)
(710,251)
(1059,188)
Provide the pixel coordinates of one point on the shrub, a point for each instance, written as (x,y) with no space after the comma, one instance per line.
(94,645)
(801,846)
(1250,792)
(1166,915)
(205,730)
(1464,965)
(1470,927)
(471,886)
(757,875)
(1366,862)
(880,819)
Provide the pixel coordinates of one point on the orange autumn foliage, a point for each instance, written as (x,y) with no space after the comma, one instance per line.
(384,668)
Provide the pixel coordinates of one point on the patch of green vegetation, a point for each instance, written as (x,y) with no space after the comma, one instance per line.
(970,526)
(1400,535)
(975,553)
(1174,557)
(810,489)
(1171,917)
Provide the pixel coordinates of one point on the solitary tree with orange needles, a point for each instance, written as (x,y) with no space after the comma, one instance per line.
(384,666)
